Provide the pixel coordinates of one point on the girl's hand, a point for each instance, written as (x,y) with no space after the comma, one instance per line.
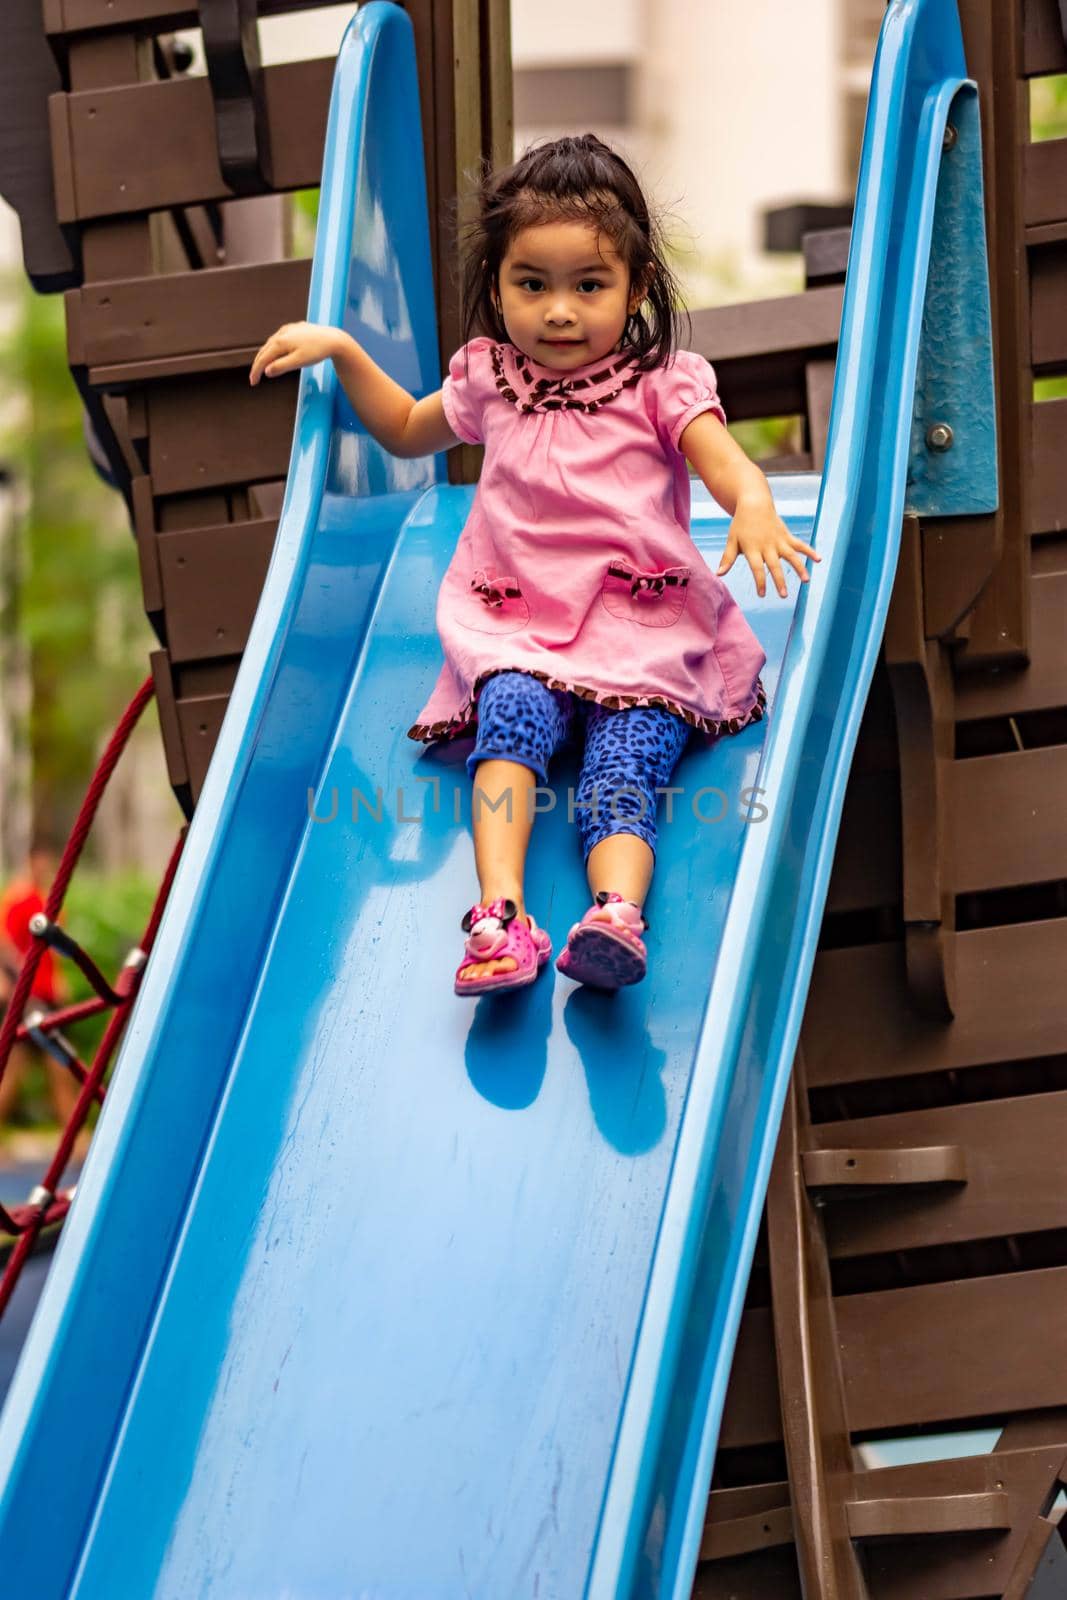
(296,344)
(762,537)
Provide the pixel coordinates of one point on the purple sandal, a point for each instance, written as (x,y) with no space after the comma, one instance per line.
(605,949)
(498,930)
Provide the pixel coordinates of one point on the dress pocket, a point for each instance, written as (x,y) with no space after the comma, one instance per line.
(494,603)
(655,599)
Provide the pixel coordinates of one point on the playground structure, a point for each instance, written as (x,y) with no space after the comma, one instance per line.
(912,1267)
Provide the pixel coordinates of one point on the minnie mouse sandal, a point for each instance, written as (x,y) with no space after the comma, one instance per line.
(605,949)
(497,930)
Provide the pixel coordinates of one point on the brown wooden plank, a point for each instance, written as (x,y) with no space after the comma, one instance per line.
(219,430)
(922,1356)
(943,1352)
(752,1413)
(199,678)
(122,418)
(170,728)
(1048,507)
(212,579)
(200,719)
(191,511)
(1006,690)
(1048,306)
(976,568)
(498,131)
(28,76)
(107,60)
(761,350)
(907,1519)
(960,553)
(181,313)
(1046,233)
(117,247)
(841,1169)
(1045,176)
(739,1534)
(1007,818)
(820,387)
(815,1427)
(825,255)
(170,125)
(1048,555)
(866,869)
(727,1505)
(1044,49)
(967,1564)
(920,677)
(1012,1006)
(147,551)
(154,16)
(60,138)
(124,373)
(789,325)
(756,1576)
(1014,1151)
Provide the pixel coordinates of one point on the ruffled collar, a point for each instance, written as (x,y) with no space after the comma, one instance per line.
(531,386)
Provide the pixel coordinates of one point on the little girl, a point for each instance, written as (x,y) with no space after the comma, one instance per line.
(576,598)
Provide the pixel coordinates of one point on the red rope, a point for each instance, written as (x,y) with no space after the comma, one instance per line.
(46,1206)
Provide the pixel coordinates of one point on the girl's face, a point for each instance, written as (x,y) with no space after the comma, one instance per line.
(564,294)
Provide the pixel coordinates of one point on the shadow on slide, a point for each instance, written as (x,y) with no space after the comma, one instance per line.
(367,1291)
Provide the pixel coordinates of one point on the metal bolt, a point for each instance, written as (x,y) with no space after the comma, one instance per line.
(939,436)
(951,136)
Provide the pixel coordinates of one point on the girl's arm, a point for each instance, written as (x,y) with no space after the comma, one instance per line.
(741,489)
(403,425)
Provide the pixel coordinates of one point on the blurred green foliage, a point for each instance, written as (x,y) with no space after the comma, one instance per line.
(1048,120)
(79,601)
(304,215)
(107,914)
(1048,108)
(79,609)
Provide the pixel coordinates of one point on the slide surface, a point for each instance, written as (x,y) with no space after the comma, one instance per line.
(368,1291)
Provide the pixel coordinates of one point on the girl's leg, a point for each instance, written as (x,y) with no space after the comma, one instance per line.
(520,725)
(502,820)
(624,862)
(628,756)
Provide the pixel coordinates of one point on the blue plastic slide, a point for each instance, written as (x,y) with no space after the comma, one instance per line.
(368,1291)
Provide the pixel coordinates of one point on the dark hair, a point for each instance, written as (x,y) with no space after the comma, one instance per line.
(579,179)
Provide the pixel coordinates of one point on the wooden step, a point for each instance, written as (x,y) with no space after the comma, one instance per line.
(859,1025)
(920,1356)
(1006,819)
(1013,1153)
(171,126)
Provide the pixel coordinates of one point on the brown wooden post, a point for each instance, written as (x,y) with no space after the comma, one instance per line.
(977,569)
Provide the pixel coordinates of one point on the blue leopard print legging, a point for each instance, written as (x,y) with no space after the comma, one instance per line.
(628,753)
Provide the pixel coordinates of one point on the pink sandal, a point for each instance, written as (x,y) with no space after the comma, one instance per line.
(498,930)
(605,949)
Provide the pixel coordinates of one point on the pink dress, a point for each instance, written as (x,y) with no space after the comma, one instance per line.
(576,563)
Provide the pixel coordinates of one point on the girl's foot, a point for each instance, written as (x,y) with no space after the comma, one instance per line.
(605,949)
(504,949)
